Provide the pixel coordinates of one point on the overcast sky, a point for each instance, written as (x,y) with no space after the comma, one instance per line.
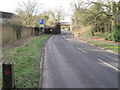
(11,5)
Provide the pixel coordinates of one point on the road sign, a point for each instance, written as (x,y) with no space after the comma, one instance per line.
(41,21)
(41,25)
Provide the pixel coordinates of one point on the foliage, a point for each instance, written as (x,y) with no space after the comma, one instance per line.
(49,17)
(59,13)
(116,34)
(103,16)
(26,12)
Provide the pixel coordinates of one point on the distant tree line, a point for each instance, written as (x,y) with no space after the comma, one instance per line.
(29,13)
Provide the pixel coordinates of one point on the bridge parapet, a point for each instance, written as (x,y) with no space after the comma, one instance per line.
(65,23)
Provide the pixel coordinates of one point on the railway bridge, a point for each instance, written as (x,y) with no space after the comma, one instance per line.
(65,25)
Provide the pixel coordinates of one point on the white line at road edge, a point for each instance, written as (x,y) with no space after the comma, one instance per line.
(109,65)
(82,41)
(81,50)
(70,43)
(67,40)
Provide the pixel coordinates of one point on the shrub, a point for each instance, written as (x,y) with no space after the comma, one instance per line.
(116,34)
(108,37)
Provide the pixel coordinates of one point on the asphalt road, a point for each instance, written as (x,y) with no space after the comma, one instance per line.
(71,63)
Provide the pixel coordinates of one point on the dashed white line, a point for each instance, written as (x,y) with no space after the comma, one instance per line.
(67,40)
(81,50)
(109,65)
(70,43)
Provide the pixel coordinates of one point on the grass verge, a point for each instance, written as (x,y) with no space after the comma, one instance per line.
(114,48)
(86,36)
(26,61)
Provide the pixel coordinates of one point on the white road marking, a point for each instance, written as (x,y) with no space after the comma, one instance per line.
(67,40)
(81,50)
(69,43)
(82,41)
(112,52)
(102,48)
(109,65)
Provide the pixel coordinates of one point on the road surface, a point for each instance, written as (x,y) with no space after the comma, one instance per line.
(70,63)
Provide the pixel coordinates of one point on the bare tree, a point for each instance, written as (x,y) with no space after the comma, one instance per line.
(26,12)
(60,13)
(49,17)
